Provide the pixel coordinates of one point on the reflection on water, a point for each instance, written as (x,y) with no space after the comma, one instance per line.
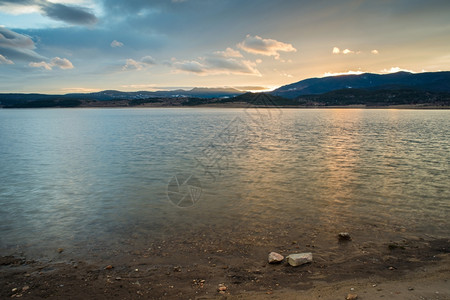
(89,179)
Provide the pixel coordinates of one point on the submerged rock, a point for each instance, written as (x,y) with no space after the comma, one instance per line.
(275,258)
(299,259)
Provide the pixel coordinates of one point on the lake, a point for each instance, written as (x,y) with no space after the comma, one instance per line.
(103,183)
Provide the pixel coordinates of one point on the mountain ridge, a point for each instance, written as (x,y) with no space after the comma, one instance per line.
(365,89)
(428,81)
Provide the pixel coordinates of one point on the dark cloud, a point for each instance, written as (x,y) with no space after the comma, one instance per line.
(9,38)
(17,2)
(135,6)
(17,46)
(70,14)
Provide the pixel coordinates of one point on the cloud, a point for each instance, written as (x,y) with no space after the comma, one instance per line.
(41,64)
(62,63)
(9,38)
(131,64)
(116,44)
(374,51)
(229,52)
(17,46)
(78,90)
(4,60)
(267,47)
(190,66)
(395,70)
(69,14)
(75,15)
(327,74)
(143,63)
(136,7)
(251,88)
(148,60)
(346,51)
(220,62)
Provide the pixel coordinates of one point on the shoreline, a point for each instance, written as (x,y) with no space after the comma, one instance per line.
(409,270)
(399,107)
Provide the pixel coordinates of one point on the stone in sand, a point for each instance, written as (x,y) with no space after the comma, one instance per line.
(222,288)
(275,258)
(344,236)
(299,259)
(351,297)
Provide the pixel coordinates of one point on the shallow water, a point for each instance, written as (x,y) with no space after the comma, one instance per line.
(111,180)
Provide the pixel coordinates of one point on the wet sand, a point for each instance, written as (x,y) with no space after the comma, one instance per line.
(417,268)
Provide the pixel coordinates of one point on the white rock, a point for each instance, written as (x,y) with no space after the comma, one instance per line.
(299,259)
(275,257)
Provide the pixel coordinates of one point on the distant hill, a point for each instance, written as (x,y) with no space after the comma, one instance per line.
(346,97)
(432,82)
(195,92)
(260,99)
(21,100)
(368,89)
(369,97)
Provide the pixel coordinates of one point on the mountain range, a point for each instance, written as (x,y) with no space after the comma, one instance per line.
(364,89)
(431,82)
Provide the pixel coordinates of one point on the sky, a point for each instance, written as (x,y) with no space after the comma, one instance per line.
(65,46)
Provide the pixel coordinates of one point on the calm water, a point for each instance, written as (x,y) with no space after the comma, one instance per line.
(104,180)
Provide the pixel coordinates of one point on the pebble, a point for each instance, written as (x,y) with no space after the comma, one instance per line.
(299,259)
(344,236)
(108,267)
(222,287)
(14,290)
(60,250)
(25,288)
(275,258)
(391,268)
(351,297)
